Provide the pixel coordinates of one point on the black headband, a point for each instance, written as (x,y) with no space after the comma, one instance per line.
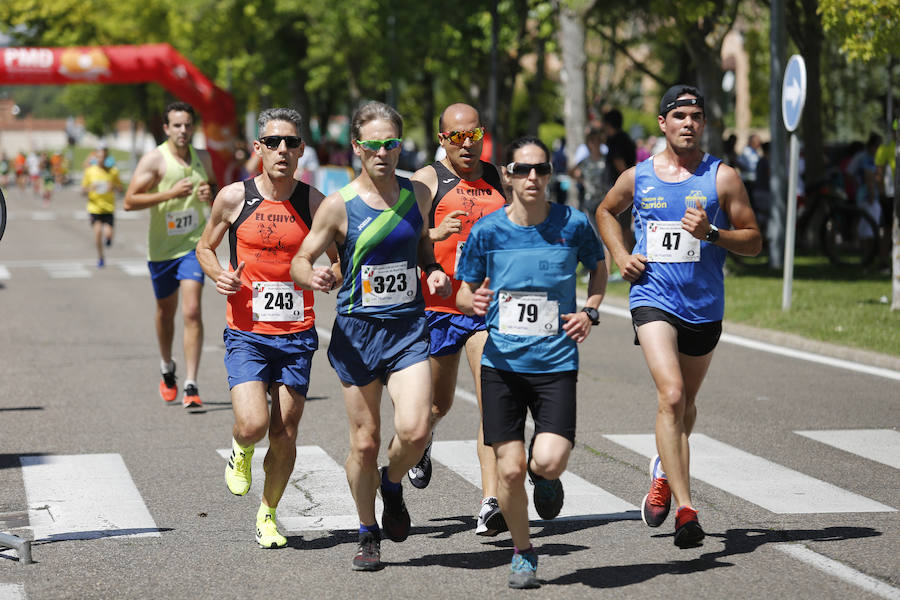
(682,102)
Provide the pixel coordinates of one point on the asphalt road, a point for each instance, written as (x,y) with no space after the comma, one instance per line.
(787,514)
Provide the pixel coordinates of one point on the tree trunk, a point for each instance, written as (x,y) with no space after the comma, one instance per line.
(571,41)
(814,37)
(428,112)
(535,114)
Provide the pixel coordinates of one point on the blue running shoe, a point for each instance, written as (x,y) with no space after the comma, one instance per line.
(523,571)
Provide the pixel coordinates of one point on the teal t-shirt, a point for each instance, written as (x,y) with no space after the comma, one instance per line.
(533,275)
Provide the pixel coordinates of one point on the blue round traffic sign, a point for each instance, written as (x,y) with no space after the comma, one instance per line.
(793,92)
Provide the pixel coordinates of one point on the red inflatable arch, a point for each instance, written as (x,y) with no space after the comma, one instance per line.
(159,63)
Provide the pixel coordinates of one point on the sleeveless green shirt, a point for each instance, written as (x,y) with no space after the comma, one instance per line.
(176,224)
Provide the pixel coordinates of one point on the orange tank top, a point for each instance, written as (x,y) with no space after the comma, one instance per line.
(265,237)
(478,198)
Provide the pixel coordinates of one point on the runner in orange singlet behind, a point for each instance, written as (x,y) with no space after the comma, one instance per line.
(464,189)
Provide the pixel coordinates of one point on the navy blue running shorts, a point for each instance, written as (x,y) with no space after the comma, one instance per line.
(506,398)
(285,358)
(694,339)
(167,274)
(449,332)
(364,348)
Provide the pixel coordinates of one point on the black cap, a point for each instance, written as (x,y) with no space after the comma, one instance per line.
(670,98)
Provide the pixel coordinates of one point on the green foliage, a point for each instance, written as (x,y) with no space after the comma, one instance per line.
(868,30)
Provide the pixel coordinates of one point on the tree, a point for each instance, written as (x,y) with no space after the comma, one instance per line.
(869,31)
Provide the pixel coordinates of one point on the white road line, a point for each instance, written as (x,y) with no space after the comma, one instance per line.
(880,445)
(317,497)
(84,496)
(583,500)
(4,273)
(66,270)
(757,480)
(12,591)
(779,350)
(43,215)
(134,268)
(840,570)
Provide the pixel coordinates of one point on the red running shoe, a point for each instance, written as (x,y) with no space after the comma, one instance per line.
(688,533)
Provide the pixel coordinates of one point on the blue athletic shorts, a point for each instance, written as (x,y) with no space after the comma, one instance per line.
(449,332)
(283,358)
(166,274)
(365,348)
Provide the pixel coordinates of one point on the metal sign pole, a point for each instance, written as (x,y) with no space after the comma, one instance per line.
(790,226)
(793,97)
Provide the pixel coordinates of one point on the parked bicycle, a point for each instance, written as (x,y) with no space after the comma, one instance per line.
(828,223)
(2,214)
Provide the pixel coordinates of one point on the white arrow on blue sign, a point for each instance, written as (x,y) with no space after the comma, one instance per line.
(793,92)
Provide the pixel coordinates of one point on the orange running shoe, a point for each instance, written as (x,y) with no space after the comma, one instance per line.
(191,397)
(168,391)
(656,504)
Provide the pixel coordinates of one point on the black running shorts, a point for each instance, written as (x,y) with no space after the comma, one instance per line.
(694,339)
(506,397)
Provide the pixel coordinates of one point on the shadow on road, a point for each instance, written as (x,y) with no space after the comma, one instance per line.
(736,542)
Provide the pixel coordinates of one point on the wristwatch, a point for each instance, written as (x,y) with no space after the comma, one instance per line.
(712,236)
(593,314)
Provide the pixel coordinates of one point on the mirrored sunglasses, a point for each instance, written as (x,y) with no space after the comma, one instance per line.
(272,142)
(458,138)
(517,168)
(375,145)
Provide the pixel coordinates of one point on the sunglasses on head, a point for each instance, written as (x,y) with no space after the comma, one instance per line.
(517,168)
(458,138)
(272,142)
(375,145)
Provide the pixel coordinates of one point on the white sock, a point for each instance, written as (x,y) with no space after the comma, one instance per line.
(166,367)
(189,382)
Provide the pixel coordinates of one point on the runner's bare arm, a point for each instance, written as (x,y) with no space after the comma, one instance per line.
(578,325)
(474,298)
(315,201)
(329,225)
(225,211)
(438,281)
(206,191)
(428,176)
(744,236)
(618,199)
(148,173)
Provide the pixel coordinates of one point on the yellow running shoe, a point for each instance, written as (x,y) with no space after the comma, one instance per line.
(267,535)
(237,470)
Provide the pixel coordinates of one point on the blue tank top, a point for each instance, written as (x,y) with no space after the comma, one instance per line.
(692,291)
(379,257)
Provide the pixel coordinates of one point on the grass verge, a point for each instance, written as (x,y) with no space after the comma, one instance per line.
(839,305)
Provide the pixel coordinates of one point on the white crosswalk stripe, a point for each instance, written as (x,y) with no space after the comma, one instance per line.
(134,268)
(880,445)
(317,497)
(43,215)
(12,591)
(83,496)
(757,480)
(583,500)
(66,270)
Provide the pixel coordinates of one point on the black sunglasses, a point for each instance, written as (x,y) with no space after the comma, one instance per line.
(517,168)
(272,142)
